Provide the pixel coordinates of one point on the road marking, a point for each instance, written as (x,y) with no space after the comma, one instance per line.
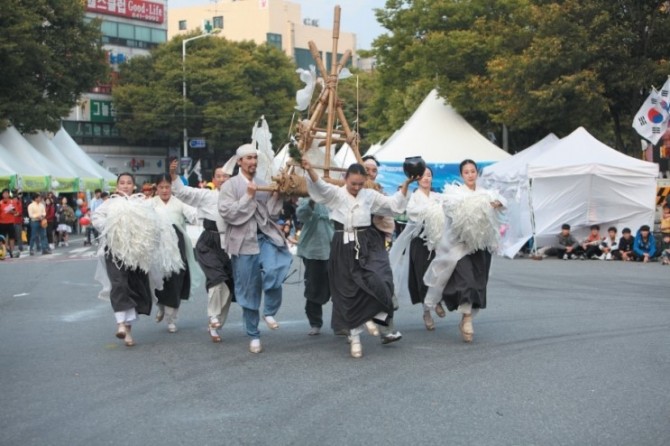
(83,315)
(78,250)
(21,294)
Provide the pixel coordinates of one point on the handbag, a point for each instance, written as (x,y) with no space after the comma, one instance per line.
(44,223)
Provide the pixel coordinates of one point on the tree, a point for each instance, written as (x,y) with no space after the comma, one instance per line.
(48,56)
(535,66)
(229,86)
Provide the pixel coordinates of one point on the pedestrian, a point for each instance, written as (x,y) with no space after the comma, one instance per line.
(50,207)
(314,249)
(210,247)
(260,256)
(8,213)
(38,224)
(137,244)
(459,272)
(178,285)
(18,221)
(65,218)
(360,277)
(414,249)
(90,229)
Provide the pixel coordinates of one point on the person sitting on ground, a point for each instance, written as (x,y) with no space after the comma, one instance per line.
(609,244)
(665,220)
(644,245)
(624,250)
(665,250)
(566,245)
(591,244)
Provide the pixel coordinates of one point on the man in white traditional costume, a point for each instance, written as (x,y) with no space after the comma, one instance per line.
(260,256)
(209,249)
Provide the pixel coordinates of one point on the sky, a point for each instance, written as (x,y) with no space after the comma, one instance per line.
(357,15)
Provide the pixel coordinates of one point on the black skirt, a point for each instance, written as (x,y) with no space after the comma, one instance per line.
(213,260)
(467,285)
(317,289)
(363,287)
(419,260)
(130,288)
(177,287)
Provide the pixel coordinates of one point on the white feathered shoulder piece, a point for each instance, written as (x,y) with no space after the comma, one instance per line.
(138,237)
(473,221)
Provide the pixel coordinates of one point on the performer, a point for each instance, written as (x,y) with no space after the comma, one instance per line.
(460,270)
(361,281)
(414,249)
(209,249)
(137,252)
(314,248)
(260,256)
(178,286)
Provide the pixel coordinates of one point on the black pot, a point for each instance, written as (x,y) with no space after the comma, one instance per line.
(414,166)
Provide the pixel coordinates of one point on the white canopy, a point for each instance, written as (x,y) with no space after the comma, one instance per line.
(21,156)
(440,135)
(71,150)
(509,177)
(581,181)
(41,142)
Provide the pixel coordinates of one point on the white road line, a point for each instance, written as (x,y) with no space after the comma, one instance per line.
(21,294)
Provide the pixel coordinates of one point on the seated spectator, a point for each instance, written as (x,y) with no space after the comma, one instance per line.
(644,246)
(625,249)
(609,244)
(665,220)
(566,246)
(665,250)
(591,244)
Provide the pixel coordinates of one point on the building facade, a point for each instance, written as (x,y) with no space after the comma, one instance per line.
(276,22)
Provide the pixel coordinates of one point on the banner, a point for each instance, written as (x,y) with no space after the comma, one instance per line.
(132,9)
(65,184)
(391,175)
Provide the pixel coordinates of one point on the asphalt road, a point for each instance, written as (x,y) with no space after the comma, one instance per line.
(567,353)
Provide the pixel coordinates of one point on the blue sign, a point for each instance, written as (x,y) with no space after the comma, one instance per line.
(197,143)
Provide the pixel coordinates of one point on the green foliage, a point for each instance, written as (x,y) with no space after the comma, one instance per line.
(48,57)
(229,86)
(536,66)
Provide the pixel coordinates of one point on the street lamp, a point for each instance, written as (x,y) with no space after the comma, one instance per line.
(183,81)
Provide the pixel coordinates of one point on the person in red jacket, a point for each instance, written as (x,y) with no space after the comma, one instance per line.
(18,219)
(7,214)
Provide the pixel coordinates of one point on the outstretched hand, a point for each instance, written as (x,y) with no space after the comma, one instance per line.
(173,169)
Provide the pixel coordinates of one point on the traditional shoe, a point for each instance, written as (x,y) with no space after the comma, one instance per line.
(439,310)
(428,320)
(160,314)
(391,337)
(214,322)
(255,346)
(356,348)
(172,328)
(271,322)
(372,328)
(466,328)
(129,339)
(121,331)
(314,331)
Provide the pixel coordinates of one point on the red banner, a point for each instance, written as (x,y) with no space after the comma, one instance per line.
(132,9)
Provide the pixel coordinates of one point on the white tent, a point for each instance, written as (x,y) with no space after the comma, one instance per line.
(509,177)
(581,181)
(442,137)
(31,168)
(71,150)
(7,175)
(42,143)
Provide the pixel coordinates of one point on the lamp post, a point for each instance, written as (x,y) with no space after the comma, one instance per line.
(183,82)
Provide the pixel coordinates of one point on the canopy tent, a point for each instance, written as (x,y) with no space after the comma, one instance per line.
(509,177)
(30,167)
(442,137)
(41,142)
(71,150)
(581,181)
(7,175)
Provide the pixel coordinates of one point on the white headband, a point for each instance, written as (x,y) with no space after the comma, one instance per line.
(246,149)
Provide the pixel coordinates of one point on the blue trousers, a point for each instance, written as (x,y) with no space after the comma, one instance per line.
(37,232)
(258,273)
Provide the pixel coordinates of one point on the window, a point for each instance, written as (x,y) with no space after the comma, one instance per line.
(182,25)
(274,40)
(126,31)
(158,35)
(217,22)
(143,33)
(108,29)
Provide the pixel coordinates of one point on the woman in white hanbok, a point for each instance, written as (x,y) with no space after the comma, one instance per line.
(414,249)
(460,270)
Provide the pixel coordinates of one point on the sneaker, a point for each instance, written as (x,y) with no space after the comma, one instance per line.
(66,244)
(595,257)
(271,323)
(172,328)
(573,256)
(314,331)
(608,256)
(32,253)
(391,337)
(601,257)
(565,257)
(46,251)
